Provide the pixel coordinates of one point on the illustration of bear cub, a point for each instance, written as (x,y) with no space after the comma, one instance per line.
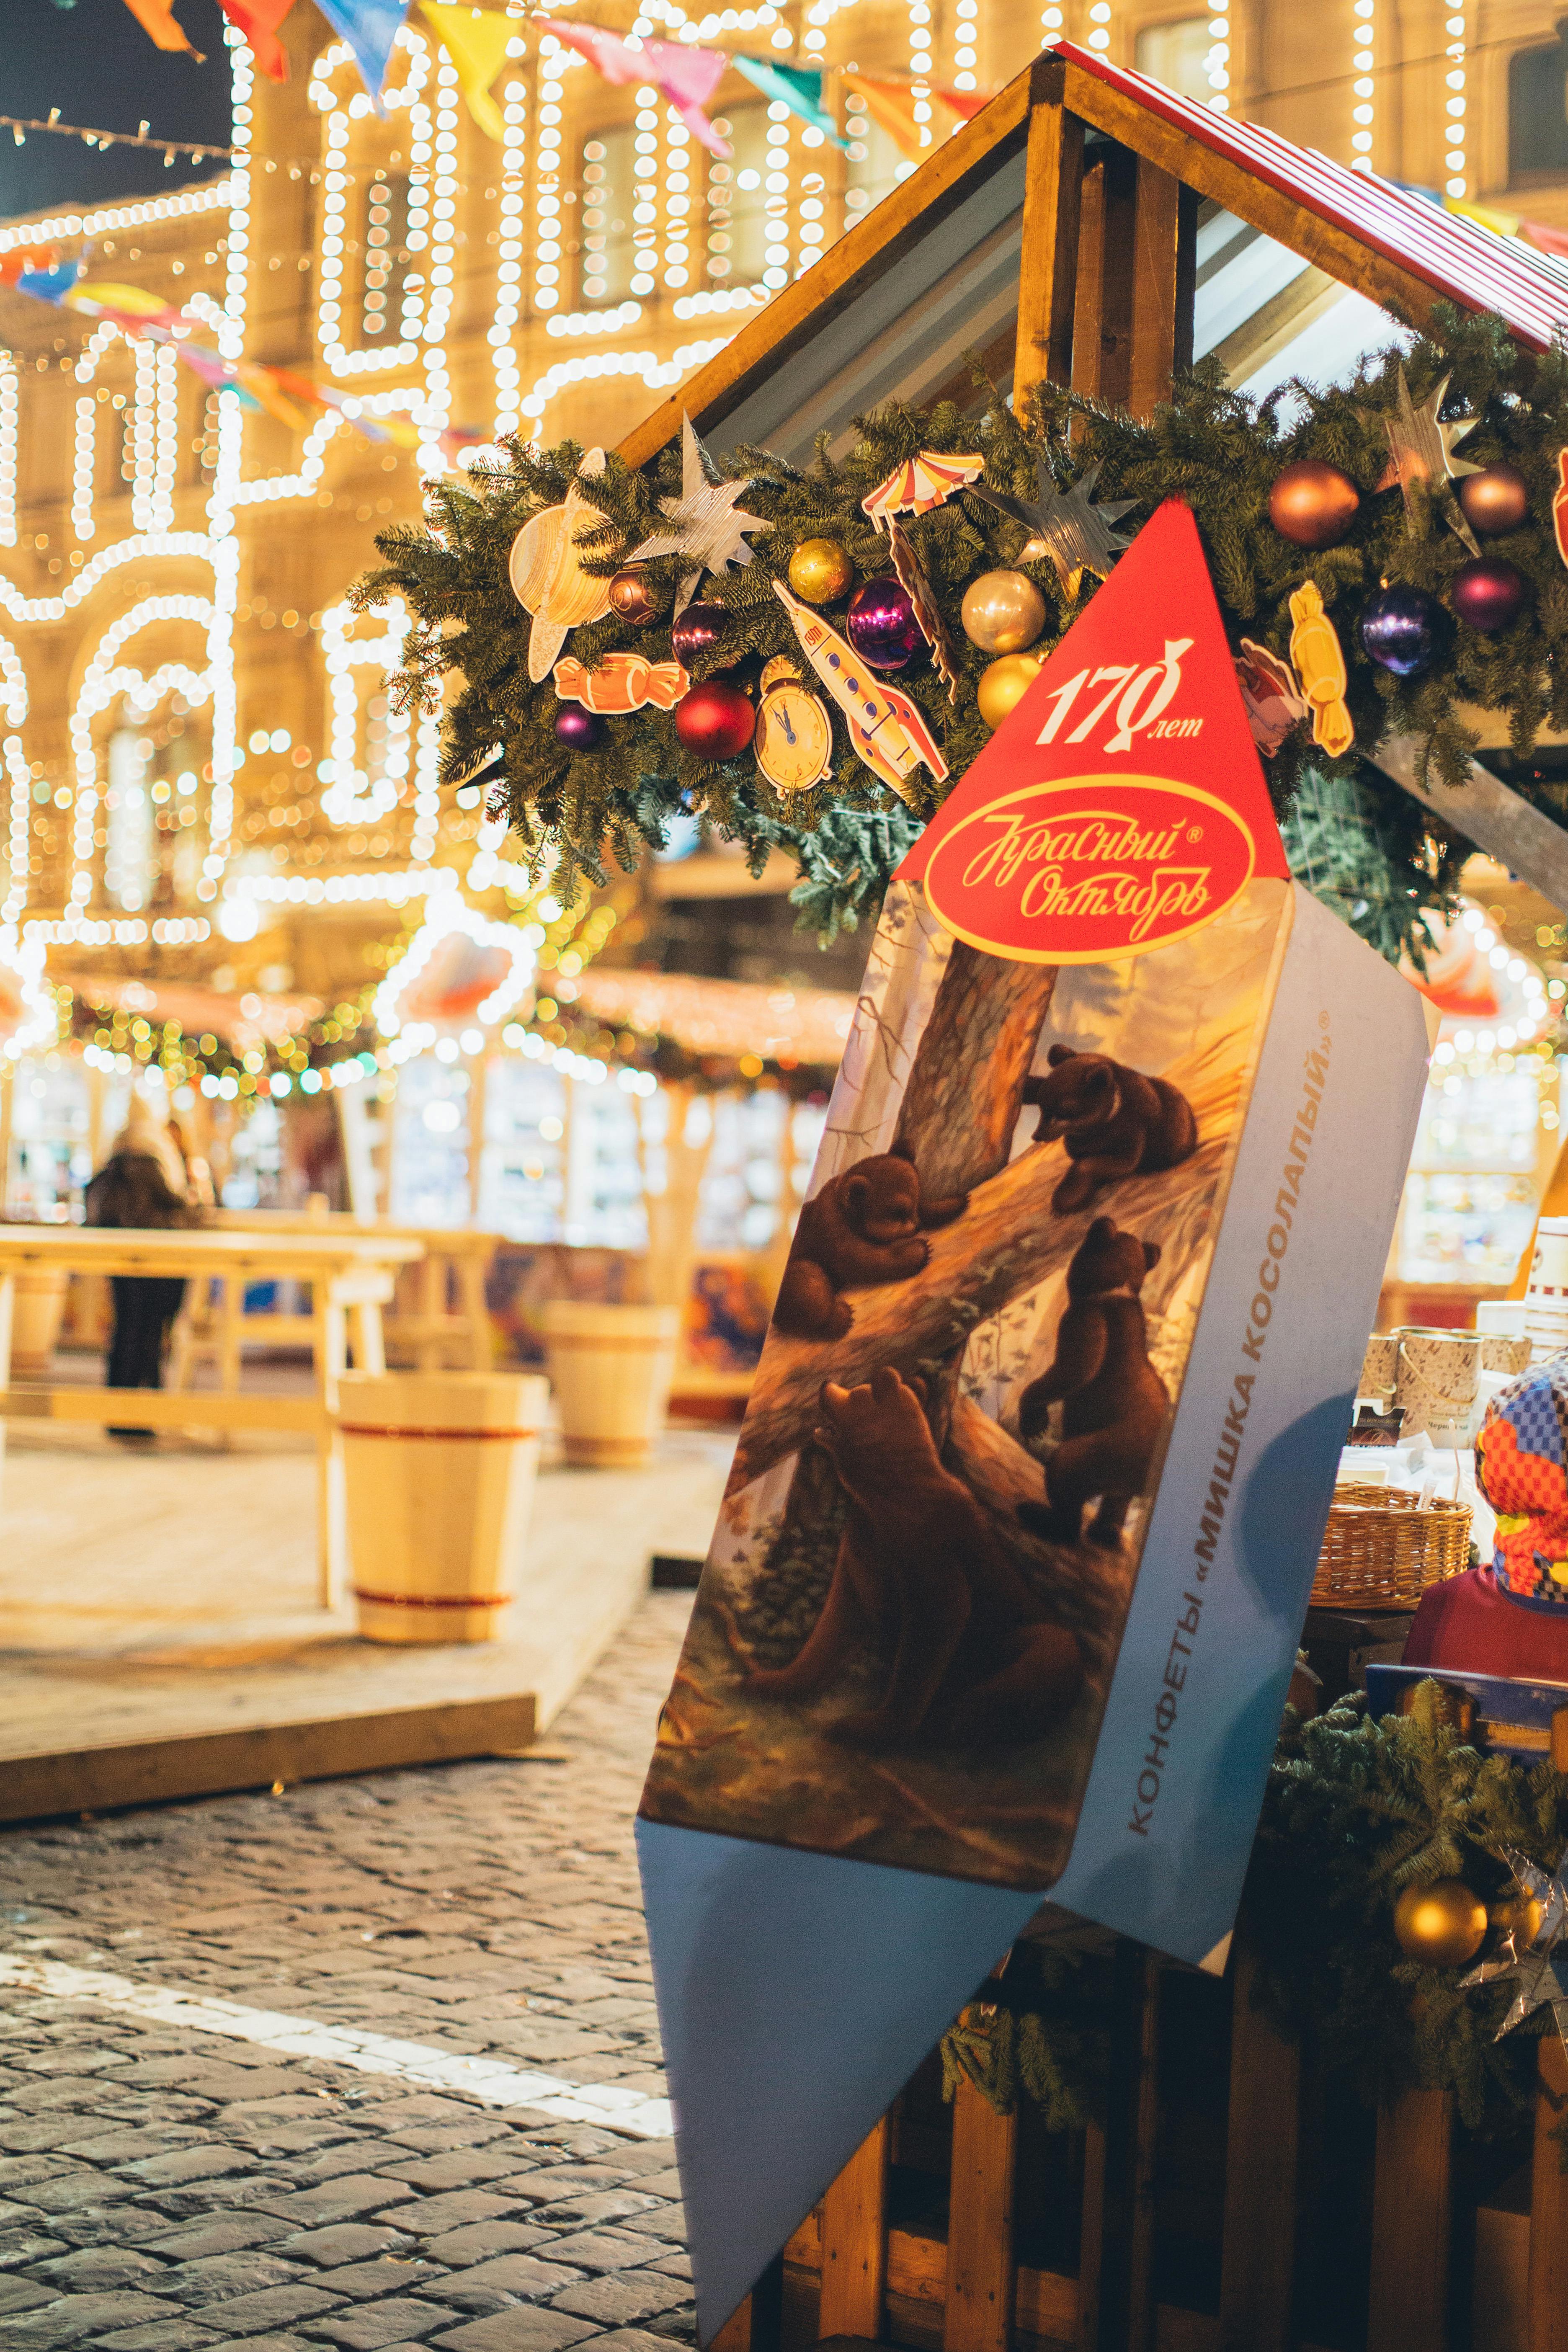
(863,1227)
(1114,1121)
(919,1568)
(1115,1403)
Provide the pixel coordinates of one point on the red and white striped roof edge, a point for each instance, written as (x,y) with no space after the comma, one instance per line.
(1471,265)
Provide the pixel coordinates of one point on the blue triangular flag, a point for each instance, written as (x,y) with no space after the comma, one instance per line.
(370,28)
(798,86)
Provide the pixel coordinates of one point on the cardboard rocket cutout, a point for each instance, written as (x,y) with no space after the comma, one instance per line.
(1007,1589)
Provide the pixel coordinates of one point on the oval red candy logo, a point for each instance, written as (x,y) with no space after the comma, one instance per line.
(1089,868)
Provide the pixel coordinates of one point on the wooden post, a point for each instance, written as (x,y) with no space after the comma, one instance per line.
(1102,308)
(1126,2313)
(753,2325)
(1153,353)
(1549,2202)
(1047,274)
(1091,2232)
(1407,2309)
(980,2278)
(855,2242)
(1133,236)
(1257,2261)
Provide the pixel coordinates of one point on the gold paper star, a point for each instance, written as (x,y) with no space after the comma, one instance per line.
(1421,449)
(708,524)
(1063,525)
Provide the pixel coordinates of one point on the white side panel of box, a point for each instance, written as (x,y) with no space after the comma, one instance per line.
(1172,1805)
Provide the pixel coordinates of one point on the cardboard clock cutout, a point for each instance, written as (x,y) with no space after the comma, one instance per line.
(1007,1589)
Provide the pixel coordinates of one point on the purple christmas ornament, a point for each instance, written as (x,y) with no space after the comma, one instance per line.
(698,631)
(1403,629)
(882,625)
(579,730)
(1488,592)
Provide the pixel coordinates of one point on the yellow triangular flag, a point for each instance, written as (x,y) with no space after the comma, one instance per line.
(475,40)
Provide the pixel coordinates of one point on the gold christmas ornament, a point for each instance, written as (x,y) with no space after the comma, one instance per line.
(1442,1922)
(1003,611)
(820,570)
(1005,683)
(1519,1915)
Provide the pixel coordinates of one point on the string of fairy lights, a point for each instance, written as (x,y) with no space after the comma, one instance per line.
(706,241)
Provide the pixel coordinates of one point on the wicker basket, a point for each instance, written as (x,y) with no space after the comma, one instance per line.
(1381,1549)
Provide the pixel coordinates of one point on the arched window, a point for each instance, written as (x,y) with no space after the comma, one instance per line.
(607,197)
(1177,53)
(737,204)
(1538,113)
(872,168)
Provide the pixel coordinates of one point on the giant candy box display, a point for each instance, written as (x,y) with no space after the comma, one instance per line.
(1005,1594)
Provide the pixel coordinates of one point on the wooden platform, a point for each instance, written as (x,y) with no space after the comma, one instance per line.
(160,1633)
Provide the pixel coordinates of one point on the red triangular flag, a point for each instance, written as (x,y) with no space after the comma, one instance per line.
(1122,804)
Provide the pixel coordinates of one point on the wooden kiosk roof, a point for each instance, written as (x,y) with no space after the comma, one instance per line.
(1057,234)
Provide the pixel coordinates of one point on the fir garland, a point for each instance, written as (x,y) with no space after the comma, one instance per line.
(1356,1810)
(1357,839)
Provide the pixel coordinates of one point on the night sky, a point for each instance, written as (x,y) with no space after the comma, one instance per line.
(96,63)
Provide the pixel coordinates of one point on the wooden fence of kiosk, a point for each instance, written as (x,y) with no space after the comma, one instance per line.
(1231,2202)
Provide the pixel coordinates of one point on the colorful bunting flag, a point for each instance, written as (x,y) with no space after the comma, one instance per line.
(369,27)
(271,391)
(259,20)
(892,105)
(156,18)
(797,87)
(687,77)
(476,41)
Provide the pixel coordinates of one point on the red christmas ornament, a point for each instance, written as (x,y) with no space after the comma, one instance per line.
(715,720)
(1489,592)
(1312,504)
(1493,501)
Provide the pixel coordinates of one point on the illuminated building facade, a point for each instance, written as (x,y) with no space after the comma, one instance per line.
(200,763)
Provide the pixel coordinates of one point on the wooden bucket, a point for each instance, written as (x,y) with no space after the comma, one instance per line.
(37,1303)
(611,1367)
(438,1468)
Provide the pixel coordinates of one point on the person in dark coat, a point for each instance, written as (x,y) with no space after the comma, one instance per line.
(143,1184)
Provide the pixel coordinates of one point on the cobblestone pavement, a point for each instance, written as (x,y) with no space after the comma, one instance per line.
(164,2189)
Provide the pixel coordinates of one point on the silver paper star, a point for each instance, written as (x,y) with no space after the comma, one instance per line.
(1540,1969)
(708,524)
(1420,450)
(1063,525)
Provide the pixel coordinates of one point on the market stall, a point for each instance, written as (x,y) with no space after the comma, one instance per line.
(1358,567)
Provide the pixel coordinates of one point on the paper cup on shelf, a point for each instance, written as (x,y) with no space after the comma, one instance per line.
(1436,1382)
(1380,1366)
(1549,1266)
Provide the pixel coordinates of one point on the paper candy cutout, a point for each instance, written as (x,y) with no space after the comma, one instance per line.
(621,683)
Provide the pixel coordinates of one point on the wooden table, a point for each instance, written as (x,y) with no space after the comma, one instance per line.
(351,1273)
(437,1333)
